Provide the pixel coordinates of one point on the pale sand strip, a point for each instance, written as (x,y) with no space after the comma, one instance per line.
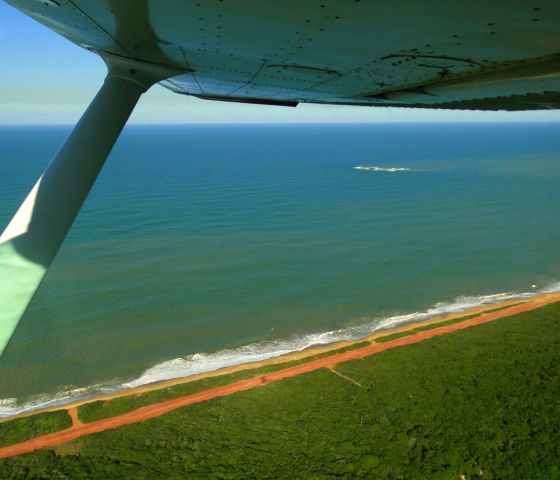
(155,410)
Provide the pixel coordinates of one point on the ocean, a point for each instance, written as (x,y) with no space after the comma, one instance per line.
(203,246)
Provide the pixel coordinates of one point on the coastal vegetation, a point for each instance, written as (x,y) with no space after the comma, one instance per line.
(25,428)
(476,403)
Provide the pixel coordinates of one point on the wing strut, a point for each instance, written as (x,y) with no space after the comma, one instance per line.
(31,240)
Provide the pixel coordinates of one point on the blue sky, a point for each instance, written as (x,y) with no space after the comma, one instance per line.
(48,80)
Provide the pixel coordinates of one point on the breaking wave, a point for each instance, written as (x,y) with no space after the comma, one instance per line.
(381,169)
(207,362)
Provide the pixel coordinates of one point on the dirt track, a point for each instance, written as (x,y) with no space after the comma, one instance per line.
(79,429)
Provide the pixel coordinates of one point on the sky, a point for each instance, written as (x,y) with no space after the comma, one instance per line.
(45,79)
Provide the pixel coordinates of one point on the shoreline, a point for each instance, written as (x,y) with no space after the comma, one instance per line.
(79,429)
(537,298)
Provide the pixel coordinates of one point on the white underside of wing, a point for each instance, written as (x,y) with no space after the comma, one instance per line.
(400,53)
(20,222)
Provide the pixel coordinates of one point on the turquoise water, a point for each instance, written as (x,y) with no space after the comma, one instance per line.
(228,243)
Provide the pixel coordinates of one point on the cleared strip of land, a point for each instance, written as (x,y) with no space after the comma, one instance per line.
(78,429)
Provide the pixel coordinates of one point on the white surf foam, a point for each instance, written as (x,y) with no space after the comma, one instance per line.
(381,169)
(10,406)
(554,287)
(207,362)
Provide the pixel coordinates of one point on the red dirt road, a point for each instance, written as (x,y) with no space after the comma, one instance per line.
(79,429)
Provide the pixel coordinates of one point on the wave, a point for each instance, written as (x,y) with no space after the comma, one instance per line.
(207,362)
(381,169)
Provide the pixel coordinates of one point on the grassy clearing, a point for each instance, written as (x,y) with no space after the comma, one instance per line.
(101,409)
(24,428)
(480,403)
(498,309)
(394,336)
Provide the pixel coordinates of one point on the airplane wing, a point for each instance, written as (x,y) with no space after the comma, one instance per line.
(489,55)
(477,54)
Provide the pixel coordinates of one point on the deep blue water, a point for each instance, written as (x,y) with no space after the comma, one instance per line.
(260,239)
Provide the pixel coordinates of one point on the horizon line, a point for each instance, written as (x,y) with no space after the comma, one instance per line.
(328,122)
